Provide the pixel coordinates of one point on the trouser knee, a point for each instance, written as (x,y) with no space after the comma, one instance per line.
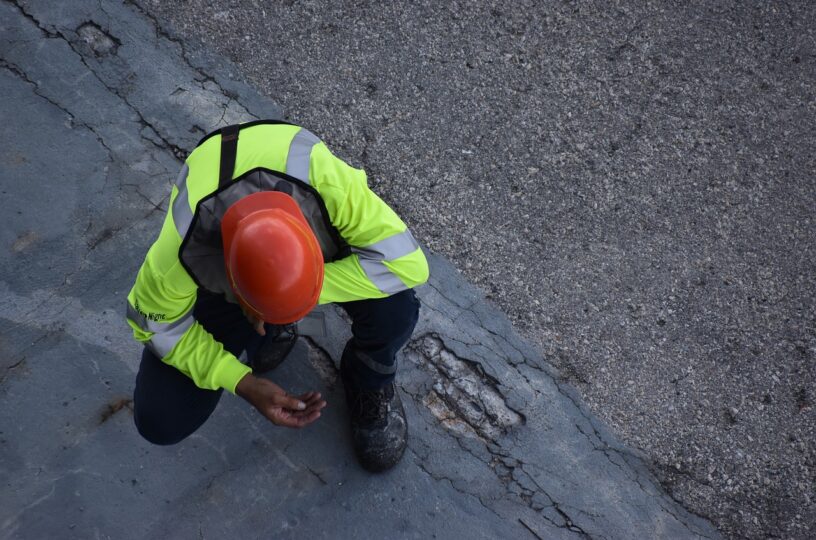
(389,320)
(380,328)
(167,406)
(154,431)
(404,318)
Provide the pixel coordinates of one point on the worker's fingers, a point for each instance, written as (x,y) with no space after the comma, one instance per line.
(306,396)
(311,403)
(288,402)
(255,322)
(315,403)
(309,397)
(286,419)
(289,411)
(259,327)
(316,406)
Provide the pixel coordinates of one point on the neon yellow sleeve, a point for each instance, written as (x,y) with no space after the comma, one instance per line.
(160,312)
(363,220)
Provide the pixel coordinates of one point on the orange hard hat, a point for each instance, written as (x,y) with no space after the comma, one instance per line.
(274,262)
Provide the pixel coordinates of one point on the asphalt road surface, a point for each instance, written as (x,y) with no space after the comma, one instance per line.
(99,106)
(634,183)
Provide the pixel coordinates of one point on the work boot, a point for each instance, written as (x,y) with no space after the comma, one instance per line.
(275,347)
(378,426)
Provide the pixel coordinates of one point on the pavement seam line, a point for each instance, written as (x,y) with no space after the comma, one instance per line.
(161,32)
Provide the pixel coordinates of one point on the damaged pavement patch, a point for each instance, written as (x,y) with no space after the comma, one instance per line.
(497,447)
(100,42)
(463,397)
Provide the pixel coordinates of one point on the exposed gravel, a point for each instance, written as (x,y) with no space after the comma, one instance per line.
(633,183)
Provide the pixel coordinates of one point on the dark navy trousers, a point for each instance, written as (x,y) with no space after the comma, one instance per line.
(168,406)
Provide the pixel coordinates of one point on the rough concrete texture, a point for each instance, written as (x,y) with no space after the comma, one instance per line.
(634,183)
(99,106)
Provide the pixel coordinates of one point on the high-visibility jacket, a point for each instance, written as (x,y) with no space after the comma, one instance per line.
(368,250)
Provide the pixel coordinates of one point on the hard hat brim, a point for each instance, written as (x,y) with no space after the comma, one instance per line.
(264,202)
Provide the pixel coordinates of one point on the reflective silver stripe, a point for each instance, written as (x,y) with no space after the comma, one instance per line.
(374,366)
(371,259)
(393,247)
(300,153)
(165,335)
(138,318)
(163,342)
(381,276)
(182,215)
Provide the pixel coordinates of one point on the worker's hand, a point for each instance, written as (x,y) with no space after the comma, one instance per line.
(278,406)
(256,323)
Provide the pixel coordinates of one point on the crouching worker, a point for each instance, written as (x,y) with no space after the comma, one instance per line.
(263,224)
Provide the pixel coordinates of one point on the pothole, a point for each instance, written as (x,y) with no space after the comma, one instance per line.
(100,42)
(463,398)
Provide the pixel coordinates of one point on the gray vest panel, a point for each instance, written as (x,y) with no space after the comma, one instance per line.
(202,252)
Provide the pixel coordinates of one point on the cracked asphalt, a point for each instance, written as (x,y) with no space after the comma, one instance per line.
(101,105)
(633,183)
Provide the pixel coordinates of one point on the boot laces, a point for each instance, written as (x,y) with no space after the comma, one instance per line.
(373,405)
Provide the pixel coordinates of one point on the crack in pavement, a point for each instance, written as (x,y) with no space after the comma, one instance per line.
(469,405)
(161,32)
(57,34)
(441,478)
(463,390)
(20,73)
(453,407)
(9,369)
(466,392)
(161,140)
